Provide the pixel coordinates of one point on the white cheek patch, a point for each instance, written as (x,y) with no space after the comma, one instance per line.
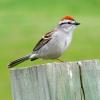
(69,29)
(72,28)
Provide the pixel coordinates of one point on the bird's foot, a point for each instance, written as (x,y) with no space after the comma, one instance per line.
(60,60)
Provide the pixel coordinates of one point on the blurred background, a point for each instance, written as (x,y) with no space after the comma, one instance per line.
(22,23)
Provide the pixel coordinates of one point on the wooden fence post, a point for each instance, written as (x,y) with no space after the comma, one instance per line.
(57,81)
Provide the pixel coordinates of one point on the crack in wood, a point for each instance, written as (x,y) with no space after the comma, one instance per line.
(81,82)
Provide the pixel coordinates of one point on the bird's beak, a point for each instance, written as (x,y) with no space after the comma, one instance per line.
(76,23)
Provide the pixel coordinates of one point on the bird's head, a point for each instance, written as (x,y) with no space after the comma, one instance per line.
(68,23)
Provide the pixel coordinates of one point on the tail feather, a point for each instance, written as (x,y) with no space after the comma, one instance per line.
(18,61)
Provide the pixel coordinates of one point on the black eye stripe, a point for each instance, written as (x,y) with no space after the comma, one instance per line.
(65,23)
(69,22)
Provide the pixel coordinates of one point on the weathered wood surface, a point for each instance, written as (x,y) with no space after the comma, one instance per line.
(57,81)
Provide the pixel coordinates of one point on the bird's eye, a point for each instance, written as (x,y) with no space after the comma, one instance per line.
(69,23)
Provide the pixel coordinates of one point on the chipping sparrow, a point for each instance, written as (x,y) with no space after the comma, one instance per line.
(53,43)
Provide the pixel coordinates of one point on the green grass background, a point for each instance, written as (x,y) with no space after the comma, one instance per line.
(22,23)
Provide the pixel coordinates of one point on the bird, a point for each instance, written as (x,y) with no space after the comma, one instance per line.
(52,44)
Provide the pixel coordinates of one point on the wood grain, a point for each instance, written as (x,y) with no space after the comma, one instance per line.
(57,81)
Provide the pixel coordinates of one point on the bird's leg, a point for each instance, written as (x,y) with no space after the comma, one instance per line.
(59,60)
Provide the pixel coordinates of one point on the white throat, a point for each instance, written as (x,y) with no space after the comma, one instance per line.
(68,30)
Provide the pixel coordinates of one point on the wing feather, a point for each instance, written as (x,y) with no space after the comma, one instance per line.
(43,41)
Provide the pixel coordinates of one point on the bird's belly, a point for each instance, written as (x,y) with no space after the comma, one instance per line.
(52,52)
(53,49)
